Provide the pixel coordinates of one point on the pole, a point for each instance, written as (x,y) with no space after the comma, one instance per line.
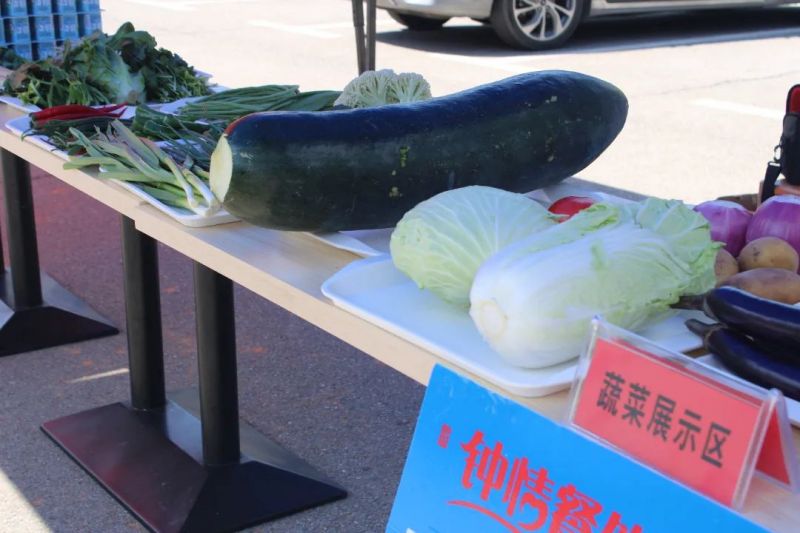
(143,315)
(370,44)
(2,258)
(358,23)
(21,226)
(216,354)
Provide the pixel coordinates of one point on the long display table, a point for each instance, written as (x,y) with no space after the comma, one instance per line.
(183,462)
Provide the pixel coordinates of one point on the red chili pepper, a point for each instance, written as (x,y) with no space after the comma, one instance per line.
(76,116)
(74,109)
(570,206)
(59,110)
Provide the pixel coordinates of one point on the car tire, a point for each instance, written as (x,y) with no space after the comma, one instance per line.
(413,22)
(531,24)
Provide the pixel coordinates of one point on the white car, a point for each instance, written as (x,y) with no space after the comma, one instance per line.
(539,24)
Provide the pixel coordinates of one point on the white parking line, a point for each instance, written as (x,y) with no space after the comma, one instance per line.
(110,373)
(302,30)
(490,62)
(742,109)
(313,30)
(182,5)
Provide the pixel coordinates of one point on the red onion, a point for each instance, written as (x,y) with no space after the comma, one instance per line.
(729,222)
(777,217)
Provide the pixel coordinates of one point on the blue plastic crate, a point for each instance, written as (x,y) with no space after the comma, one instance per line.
(40,7)
(14,8)
(89,23)
(18,30)
(24,50)
(87,6)
(43,50)
(3,40)
(67,27)
(42,28)
(65,6)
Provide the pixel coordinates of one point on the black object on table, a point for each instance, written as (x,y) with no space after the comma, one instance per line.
(182,462)
(35,311)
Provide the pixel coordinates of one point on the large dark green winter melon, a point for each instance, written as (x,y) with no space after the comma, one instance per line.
(364,168)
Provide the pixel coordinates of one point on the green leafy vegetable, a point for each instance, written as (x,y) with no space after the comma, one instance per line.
(442,241)
(10,59)
(166,75)
(102,69)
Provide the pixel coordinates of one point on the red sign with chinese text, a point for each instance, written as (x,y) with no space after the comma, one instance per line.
(699,433)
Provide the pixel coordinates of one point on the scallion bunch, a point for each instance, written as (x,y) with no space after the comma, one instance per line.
(121,155)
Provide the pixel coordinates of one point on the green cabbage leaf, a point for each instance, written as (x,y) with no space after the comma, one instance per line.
(441,243)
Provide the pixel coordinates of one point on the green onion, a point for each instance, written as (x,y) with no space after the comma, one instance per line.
(124,156)
(229,105)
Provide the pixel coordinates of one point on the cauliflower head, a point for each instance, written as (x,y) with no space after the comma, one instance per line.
(381,87)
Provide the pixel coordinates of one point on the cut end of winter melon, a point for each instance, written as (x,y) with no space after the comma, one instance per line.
(221,169)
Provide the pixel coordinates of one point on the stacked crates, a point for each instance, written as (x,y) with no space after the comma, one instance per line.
(35,28)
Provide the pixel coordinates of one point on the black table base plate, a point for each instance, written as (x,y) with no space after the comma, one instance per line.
(151,461)
(63,318)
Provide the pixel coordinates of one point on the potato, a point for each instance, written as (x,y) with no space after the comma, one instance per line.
(768,252)
(776,284)
(725,266)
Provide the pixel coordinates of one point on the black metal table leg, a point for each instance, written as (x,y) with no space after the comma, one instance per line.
(216,357)
(143,318)
(35,311)
(185,464)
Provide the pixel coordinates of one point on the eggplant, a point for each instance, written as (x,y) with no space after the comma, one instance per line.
(748,359)
(774,322)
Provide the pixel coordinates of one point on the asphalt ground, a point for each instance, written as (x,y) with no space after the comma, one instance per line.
(706,93)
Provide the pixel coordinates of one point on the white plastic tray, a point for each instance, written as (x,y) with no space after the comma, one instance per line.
(371,243)
(15,102)
(366,243)
(375,290)
(792,406)
(21,124)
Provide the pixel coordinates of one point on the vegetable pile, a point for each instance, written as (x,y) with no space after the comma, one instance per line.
(539,283)
(762,249)
(100,69)
(756,334)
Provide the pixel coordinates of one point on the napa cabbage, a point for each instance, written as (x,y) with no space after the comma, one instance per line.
(533,301)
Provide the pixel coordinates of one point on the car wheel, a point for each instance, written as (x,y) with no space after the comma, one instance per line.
(536,24)
(413,22)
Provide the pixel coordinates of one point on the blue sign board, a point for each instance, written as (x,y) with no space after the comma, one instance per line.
(482,463)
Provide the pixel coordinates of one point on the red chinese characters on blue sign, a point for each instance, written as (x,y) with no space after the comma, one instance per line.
(530,496)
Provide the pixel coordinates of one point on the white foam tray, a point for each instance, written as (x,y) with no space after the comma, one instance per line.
(376,291)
